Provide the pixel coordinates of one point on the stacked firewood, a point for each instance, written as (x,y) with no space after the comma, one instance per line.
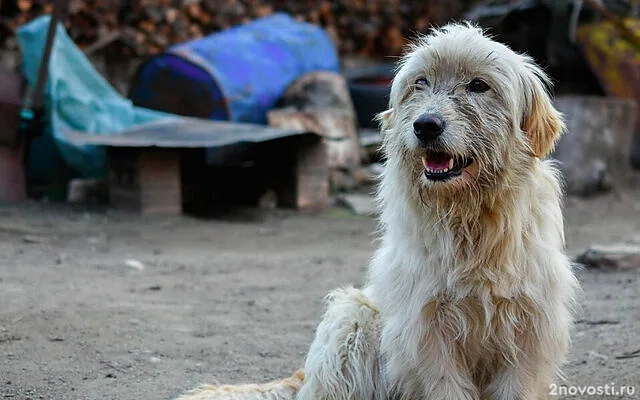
(359,27)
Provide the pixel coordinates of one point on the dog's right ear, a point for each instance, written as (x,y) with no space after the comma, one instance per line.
(384,120)
(542,123)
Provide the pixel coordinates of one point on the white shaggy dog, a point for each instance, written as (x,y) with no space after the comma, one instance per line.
(470,293)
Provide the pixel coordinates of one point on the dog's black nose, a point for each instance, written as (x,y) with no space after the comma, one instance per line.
(428,127)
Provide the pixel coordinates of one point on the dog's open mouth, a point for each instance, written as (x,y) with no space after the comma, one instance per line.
(441,166)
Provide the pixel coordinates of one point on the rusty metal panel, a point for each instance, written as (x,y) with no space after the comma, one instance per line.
(614,60)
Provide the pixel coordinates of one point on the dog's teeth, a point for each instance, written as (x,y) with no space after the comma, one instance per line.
(443,170)
(437,171)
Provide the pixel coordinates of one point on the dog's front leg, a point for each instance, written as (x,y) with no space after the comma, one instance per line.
(529,379)
(428,370)
(445,380)
(519,383)
(435,379)
(343,361)
(530,376)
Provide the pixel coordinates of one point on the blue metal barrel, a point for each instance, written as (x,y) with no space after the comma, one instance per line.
(237,74)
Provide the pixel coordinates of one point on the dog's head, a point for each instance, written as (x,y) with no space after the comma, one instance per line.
(467,111)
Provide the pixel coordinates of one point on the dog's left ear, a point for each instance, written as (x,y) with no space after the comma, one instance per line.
(384,120)
(542,123)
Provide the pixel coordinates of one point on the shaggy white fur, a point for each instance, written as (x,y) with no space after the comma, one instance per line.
(470,293)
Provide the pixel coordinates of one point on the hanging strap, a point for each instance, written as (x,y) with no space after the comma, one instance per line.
(32,116)
(37,95)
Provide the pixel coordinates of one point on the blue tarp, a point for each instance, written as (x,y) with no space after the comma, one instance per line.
(241,72)
(247,69)
(77,97)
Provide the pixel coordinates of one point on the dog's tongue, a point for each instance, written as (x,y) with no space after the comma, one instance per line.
(438,162)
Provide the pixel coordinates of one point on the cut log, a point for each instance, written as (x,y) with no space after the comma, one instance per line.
(320,102)
(335,126)
(594,154)
(320,89)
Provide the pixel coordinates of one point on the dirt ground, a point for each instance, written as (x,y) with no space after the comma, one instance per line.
(232,300)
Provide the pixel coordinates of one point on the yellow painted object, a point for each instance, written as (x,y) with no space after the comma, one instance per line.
(614,56)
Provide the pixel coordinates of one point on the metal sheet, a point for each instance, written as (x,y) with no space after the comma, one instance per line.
(186,133)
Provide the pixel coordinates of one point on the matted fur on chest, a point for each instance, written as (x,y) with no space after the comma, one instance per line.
(482,334)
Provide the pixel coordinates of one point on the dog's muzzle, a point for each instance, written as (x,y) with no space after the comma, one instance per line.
(438,165)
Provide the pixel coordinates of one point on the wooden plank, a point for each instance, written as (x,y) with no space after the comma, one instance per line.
(145,181)
(308,185)
(160,181)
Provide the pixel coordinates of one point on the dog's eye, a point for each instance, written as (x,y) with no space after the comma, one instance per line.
(421,83)
(478,86)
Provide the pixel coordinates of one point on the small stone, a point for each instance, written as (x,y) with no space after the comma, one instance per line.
(619,256)
(154,360)
(87,191)
(368,174)
(594,355)
(268,200)
(266,232)
(342,180)
(359,204)
(134,264)
(31,239)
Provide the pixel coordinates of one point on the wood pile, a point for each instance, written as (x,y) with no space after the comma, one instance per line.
(145,27)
